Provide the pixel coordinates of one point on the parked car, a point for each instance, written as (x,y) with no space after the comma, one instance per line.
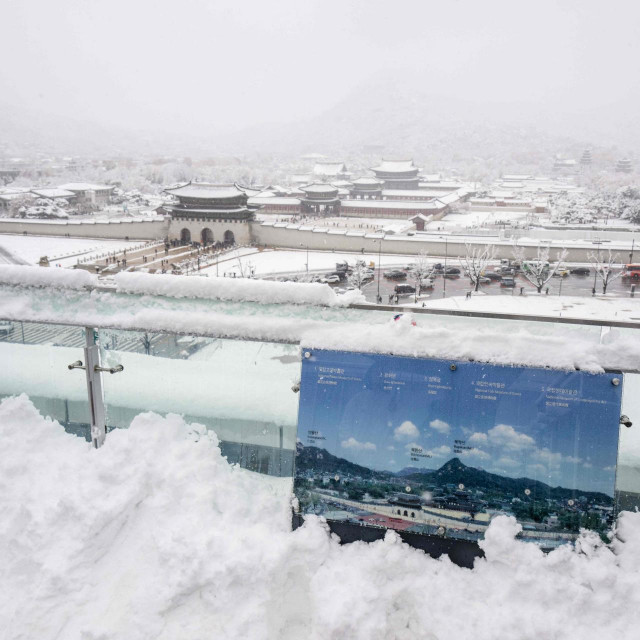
(453,270)
(508,281)
(332,279)
(491,275)
(561,273)
(404,289)
(395,274)
(5,327)
(581,271)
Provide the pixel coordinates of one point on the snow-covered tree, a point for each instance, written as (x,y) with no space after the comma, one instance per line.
(603,263)
(538,271)
(476,260)
(358,276)
(421,272)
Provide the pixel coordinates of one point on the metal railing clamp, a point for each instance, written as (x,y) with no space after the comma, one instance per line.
(116,369)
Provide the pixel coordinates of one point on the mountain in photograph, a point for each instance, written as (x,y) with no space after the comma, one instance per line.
(453,472)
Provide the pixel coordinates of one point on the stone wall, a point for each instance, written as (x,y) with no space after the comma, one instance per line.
(109,229)
(278,235)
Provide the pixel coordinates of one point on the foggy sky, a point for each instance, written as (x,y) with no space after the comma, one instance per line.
(217,65)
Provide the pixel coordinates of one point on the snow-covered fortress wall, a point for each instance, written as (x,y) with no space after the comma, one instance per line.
(112,229)
(294,236)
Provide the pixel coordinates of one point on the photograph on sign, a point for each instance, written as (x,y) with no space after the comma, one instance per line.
(439,447)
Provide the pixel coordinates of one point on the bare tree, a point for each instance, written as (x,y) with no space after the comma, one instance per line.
(421,271)
(538,271)
(476,260)
(604,267)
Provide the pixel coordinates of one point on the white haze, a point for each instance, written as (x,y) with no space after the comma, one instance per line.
(208,70)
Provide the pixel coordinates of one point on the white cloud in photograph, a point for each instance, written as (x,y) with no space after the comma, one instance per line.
(406,431)
(440,426)
(475,454)
(352,443)
(440,452)
(504,435)
(478,438)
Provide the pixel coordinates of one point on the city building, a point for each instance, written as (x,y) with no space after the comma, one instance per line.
(95,195)
(209,213)
(52,193)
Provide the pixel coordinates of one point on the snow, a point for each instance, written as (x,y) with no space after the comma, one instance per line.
(85,186)
(46,277)
(290,261)
(594,308)
(392,166)
(234,289)
(31,248)
(390,204)
(206,190)
(494,341)
(473,219)
(155,535)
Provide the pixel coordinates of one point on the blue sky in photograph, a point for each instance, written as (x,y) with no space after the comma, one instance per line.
(388,413)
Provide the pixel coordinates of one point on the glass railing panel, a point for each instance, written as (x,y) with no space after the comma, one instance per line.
(628,470)
(241,390)
(35,359)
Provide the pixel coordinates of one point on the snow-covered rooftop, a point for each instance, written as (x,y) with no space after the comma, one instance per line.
(53,193)
(206,190)
(329,168)
(393,166)
(273,200)
(367,182)
(85,186)
(389,204)
(317,187)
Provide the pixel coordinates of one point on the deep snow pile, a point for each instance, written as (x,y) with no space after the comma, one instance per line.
(156,536)
(46,277)
(235,289)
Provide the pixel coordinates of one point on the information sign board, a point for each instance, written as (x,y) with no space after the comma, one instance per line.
(442,447)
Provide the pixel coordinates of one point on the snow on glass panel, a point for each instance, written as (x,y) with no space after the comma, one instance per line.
(241,390)
(35,358)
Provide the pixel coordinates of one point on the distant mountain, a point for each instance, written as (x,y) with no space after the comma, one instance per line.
(453,472)
(456,472)
(399,117)
(321,461)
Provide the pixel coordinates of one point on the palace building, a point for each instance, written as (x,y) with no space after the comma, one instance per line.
(624,166)
(397,174)
(366,189)
(320,199)
(210,213)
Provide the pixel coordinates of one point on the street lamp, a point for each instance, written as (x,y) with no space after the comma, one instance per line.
(379,266)
(444,275)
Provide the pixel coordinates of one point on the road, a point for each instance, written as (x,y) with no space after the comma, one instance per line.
(569,286)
